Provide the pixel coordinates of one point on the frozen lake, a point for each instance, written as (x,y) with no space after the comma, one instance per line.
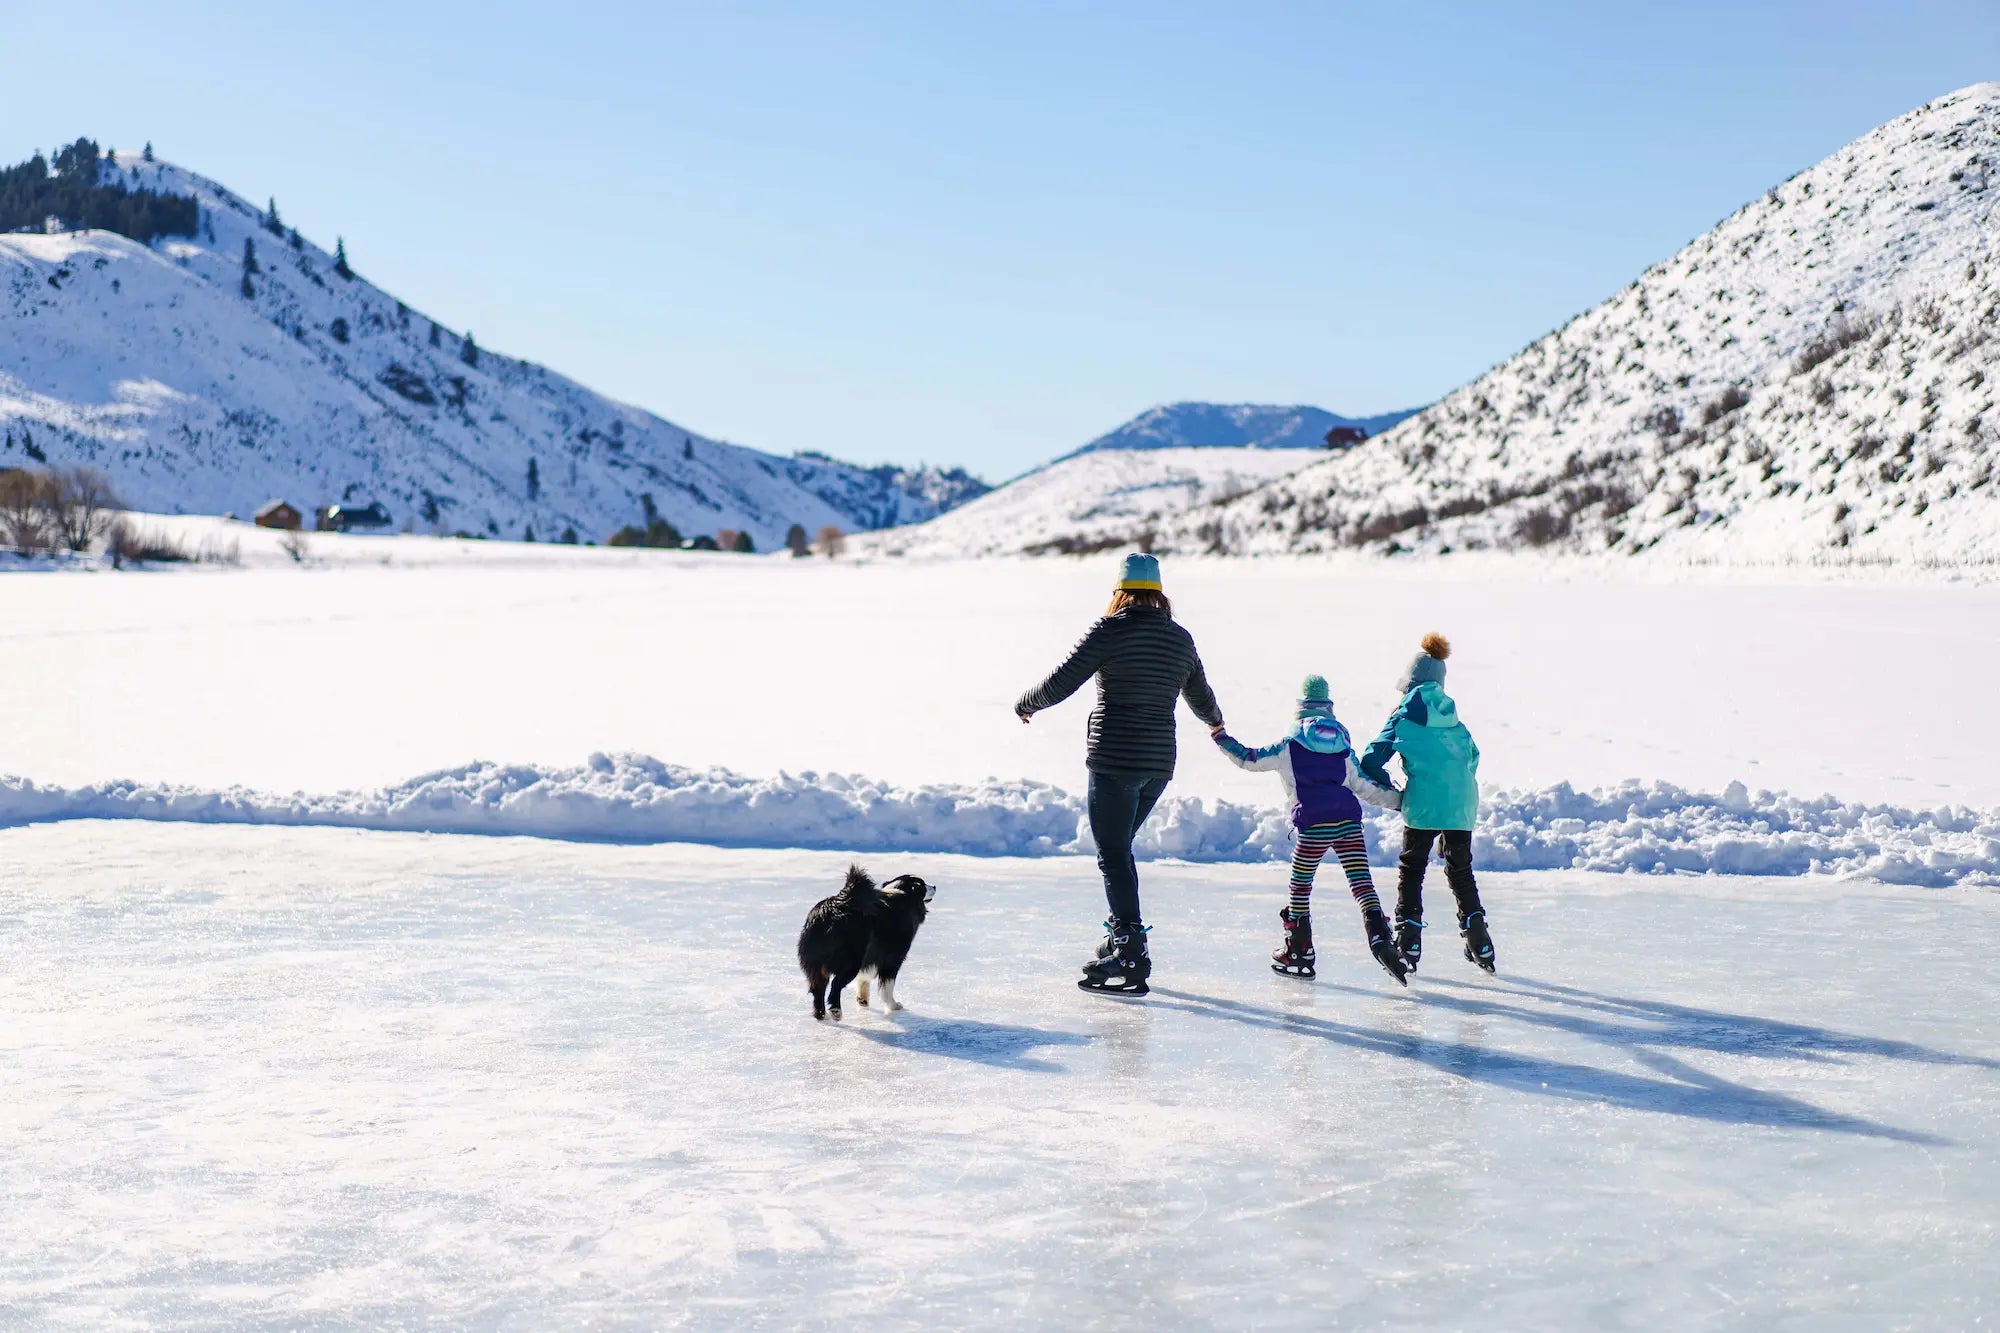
(323,1078)
(360,675)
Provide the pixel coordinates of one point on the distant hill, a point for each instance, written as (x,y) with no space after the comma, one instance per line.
(1233,426)
(1813,379)
(211,371)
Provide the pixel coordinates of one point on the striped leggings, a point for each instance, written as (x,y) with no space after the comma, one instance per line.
(1346,842)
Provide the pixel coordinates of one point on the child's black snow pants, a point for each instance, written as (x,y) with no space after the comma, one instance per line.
(1457,871)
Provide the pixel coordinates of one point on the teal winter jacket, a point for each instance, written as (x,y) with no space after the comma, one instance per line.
(1440,762)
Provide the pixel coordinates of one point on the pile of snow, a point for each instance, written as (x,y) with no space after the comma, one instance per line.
(1235,426)
(1813,378)
(1645,828)
(152,363)
(1089,501)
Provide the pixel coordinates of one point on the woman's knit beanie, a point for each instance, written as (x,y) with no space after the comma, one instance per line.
(1140,572)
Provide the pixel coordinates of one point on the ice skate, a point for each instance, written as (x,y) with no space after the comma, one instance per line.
(1295,957)
(1122,963)
(1410,940)
(1383,945)
(1478,943)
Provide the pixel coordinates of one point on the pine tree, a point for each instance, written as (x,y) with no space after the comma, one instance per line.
(148,154)
(435,334)
(468,351)
(340,258)
(297,242)
(795,540)
(271,222)
(687,447)
(534,480)
(568,537)
(744,546)
(250,257)
(528,533)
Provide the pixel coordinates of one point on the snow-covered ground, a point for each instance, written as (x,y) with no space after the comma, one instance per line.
(404,655)
(317,1078)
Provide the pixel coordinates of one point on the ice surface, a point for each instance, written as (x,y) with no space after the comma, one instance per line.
(319,1078)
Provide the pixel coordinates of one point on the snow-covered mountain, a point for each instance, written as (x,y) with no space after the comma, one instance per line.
(1814,378)
(1089,501)
(1160,463)
(1234,426)
(205,383)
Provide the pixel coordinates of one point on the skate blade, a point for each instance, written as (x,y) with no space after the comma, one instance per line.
(1304,972)
(1121,992)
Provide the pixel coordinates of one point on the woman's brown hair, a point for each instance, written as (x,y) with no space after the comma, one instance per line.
(1128,597)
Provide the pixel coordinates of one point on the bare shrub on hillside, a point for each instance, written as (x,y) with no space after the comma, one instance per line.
(1729,400)
(1664,422)
(81,503)
(1543,526)
(295,545)
(831,541)
(129,544)
(1839,335)
(26,499)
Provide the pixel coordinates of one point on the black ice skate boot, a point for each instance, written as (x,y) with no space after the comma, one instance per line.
(1478,943)
(1122,971)
(1383,945)
(1410,939)
(1295,958)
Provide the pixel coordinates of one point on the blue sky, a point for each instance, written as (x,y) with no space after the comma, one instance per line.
(984,233)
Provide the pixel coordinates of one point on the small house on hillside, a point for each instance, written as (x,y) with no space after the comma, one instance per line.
(280,514)
(346,518)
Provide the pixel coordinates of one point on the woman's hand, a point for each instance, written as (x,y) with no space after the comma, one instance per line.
(1025,718)
(1215,730)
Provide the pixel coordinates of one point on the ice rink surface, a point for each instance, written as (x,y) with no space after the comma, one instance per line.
(326,1079)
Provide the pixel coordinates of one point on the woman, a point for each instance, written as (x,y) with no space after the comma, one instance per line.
(1143,662)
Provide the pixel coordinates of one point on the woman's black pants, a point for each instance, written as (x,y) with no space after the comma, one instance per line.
(1118,805)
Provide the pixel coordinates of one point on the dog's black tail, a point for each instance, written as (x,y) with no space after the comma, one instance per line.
(860,888)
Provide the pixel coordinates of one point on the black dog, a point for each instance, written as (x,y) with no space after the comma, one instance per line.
(861,929)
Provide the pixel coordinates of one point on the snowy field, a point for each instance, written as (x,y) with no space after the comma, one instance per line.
(327,1079)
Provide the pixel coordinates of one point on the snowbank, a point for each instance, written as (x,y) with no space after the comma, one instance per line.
(1653,828)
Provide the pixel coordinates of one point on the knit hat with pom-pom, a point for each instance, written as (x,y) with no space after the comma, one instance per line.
(1315,699)
(1428,664)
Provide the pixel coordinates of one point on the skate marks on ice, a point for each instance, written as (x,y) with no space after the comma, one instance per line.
(1681,1089)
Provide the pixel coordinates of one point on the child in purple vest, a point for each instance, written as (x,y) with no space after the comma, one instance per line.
(1316,762)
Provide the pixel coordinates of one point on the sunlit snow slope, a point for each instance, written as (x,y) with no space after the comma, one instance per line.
(1090,500)
(1813,378)
(152,363)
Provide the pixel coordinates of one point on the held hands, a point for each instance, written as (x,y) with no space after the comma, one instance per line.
(1026,718)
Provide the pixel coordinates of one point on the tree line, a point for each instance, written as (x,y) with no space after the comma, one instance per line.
(72,191)
(660,534)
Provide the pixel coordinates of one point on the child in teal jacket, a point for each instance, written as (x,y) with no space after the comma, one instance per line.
(1440,801)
